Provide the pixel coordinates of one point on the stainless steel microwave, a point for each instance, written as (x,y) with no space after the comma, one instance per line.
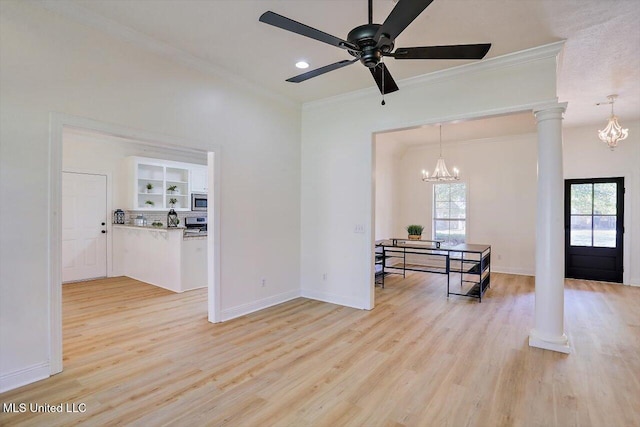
(198,202)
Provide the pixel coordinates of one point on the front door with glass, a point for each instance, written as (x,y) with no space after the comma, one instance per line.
(594,228)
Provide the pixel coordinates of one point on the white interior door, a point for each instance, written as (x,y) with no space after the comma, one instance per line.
(84,219)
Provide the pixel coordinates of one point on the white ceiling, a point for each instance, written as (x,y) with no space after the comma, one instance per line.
(601,54)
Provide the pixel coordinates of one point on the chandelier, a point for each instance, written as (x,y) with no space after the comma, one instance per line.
(441,172)
(613,132)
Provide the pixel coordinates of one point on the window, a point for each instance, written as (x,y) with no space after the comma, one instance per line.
(594,214)
(450,213)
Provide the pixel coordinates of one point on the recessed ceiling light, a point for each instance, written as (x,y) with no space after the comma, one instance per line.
(302,64)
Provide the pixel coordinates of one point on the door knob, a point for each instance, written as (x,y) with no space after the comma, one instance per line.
(104,231)
(104,223)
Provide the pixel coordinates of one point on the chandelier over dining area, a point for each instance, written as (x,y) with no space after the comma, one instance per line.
(441,173)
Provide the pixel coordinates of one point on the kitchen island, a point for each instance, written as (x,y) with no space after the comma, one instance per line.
(160,256)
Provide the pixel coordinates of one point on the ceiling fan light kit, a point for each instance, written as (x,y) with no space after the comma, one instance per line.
(613,132)
(370,43)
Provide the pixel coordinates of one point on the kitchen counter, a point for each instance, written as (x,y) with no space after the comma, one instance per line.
(160,256)
(195,236)
(194,233)
(186,235)
(150,227)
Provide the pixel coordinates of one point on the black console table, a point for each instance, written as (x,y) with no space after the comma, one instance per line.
(472,262)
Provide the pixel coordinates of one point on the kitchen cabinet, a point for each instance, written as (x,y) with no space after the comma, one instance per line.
(154,182)
(199,179)
(160,257)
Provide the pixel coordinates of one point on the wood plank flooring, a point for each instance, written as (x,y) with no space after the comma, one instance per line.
(139,355)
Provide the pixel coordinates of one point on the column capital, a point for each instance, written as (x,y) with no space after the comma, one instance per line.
(553,110)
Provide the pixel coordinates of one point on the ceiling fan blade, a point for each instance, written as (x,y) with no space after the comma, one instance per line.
(401,16)
(318,71)
(285,23)
(386,84)
(459,51)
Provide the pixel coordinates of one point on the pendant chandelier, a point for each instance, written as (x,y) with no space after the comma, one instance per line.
(613,132)
(441,172)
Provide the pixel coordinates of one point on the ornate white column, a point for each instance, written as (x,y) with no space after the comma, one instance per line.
(548,332)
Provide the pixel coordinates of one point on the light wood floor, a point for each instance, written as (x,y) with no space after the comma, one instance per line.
(136,354)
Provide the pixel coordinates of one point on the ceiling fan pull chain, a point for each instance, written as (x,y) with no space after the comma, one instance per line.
(382,68)
(370,43)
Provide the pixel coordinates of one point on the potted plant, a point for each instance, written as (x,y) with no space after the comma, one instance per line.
(149,202)
(415,231)
(172,202)
(149,187)
(172,188)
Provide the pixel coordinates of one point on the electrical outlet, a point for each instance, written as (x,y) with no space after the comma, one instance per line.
(359,228)
(263,282)
(324,276)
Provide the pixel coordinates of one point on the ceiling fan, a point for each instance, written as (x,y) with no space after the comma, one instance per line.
(370,43)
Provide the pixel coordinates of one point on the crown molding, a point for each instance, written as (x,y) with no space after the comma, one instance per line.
(474,142)
(91,19)
(550,50)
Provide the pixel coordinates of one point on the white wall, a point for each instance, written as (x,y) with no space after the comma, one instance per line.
(337,158)
(501,177)
(500,174)
(51,64)
(387,197)
(585,156)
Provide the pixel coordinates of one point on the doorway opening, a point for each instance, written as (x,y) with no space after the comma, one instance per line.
(89,163)
(484,209)
(594,229)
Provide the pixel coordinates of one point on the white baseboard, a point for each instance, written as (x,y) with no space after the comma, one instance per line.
(241,310)
(332,298)
(24,376)
(152,284)
(524,272)
(517,271)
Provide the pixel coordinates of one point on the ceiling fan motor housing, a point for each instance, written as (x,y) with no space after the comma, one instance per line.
(371,50)
(370,43)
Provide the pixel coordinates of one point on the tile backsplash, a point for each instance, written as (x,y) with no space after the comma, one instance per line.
(157,216)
